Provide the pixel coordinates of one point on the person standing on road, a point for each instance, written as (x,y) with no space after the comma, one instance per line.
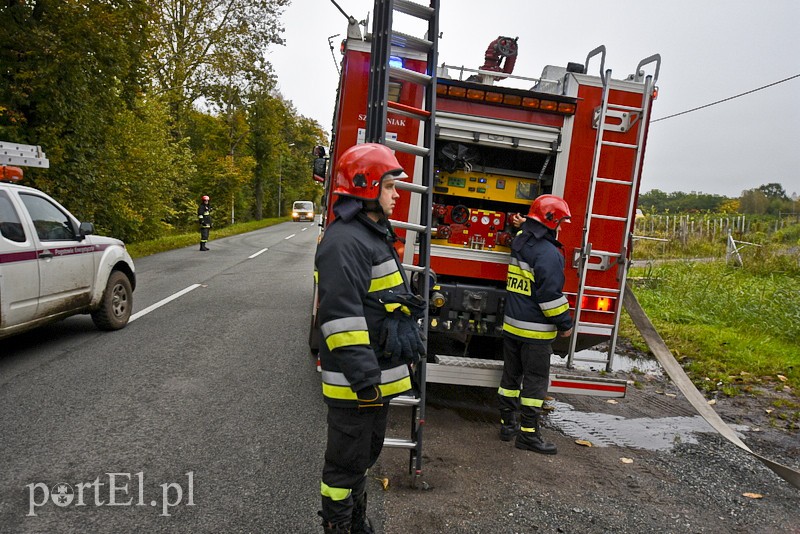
(536,312)
(204,218)
(368,329)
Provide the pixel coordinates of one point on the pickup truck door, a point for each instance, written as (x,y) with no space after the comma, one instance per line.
(66,262)
(19,269)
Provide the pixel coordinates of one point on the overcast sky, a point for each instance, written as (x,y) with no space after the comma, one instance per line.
(710,49)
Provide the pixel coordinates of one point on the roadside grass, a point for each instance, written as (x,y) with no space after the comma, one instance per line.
(172,242)
(734,330)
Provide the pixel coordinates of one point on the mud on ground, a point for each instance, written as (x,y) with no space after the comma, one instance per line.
(474,483)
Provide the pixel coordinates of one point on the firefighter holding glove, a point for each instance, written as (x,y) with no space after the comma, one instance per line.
(536,312)
(358,271)
(401,336)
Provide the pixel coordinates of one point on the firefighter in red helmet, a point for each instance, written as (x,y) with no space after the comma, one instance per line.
(536,311)
(204,218)
(367,319)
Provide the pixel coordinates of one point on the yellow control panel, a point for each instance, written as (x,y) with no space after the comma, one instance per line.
(486,186)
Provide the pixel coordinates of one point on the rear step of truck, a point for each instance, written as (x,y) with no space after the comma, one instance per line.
(486,373)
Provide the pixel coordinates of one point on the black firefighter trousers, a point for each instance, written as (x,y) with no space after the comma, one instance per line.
(355,440)
(527,364)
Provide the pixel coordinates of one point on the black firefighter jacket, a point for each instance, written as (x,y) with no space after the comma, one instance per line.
(536,308)
(357,271)
(204,215)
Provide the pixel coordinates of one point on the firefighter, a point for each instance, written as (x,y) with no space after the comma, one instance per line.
(368,329)
(204,218)
(536,312)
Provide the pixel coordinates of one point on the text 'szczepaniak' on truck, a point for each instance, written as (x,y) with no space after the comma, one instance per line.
(498,141)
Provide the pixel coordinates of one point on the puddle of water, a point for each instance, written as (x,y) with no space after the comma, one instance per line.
(620,363)
(604,430)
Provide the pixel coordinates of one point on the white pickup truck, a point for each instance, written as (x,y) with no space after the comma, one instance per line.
(52,267)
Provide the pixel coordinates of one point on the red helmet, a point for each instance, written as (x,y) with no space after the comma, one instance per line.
(361,169)
(550,210)
(204,198)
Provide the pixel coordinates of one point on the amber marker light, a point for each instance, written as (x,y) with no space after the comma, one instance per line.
(531,103)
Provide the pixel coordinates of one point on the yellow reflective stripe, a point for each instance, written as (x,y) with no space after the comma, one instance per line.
(511,393)
(536,403)
(316,276)
(334,494)
(345,393)
(520,271)
(555,311)
(338,392)
(398,386)
(530,334)
(347,339)
(386,282)
(527,429)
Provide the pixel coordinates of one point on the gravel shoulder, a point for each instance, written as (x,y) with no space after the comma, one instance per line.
(472,482)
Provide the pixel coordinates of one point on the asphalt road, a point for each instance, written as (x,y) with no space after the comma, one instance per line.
(206,409)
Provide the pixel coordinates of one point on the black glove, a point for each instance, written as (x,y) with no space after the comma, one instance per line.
(403,338)
(369,397)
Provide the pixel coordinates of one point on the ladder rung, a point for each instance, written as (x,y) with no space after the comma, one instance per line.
(411,186)
(409,226)
(413,268)
(596,325)
(408,148)
(607,217)
(621,145)
(407,75)
(613,181)
(620,107)
(576,358)
(598,288)
(405,400)
(403,40)
(414,9)
(396,443)
(409,111)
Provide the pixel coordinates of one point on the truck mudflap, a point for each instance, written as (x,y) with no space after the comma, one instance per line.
(486,373)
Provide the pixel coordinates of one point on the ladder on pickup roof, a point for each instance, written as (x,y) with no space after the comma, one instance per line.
(378,104)
(623,117)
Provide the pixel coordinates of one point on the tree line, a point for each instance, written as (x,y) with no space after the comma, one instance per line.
(142,107)
(767,199)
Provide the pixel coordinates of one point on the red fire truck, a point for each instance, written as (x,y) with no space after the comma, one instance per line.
(570,133)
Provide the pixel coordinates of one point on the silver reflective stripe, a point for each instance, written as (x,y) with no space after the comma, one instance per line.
(384,269)
(345,324)
(334,379)
(521,264)
(387,376)
(538,327)
(553,303)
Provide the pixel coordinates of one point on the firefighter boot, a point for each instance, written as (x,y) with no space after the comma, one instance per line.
(509,427)
(530,439)
(343,527)
(361,523)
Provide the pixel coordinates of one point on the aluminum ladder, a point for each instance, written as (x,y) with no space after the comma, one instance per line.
(378,104)
(622,118)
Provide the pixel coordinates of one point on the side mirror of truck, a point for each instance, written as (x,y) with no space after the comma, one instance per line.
(320,167)
(86,228)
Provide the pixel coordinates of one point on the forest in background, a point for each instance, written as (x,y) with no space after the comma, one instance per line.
(142,107)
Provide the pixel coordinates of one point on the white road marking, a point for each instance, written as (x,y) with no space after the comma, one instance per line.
(162,302)
(289,236)
(263,250)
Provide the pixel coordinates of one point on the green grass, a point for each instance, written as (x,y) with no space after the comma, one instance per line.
(172,242)
(733,329)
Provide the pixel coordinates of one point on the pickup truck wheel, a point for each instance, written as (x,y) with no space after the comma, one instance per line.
(116,305)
